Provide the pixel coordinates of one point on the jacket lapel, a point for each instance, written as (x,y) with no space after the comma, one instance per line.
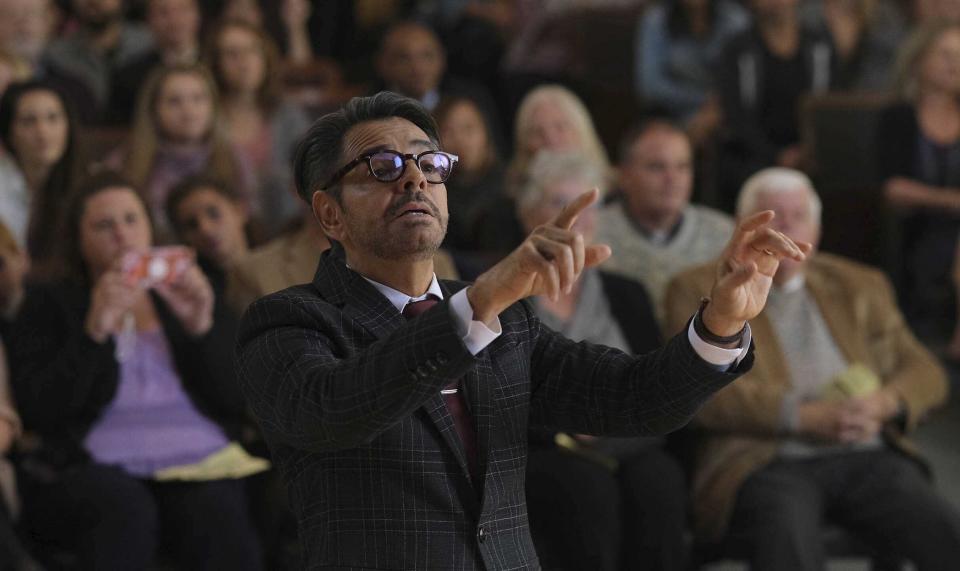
(357,298)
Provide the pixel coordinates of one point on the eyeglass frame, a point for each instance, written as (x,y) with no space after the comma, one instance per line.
(342,172)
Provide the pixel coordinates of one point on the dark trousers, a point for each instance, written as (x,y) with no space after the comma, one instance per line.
(585,516)
(881,497)
(114,521)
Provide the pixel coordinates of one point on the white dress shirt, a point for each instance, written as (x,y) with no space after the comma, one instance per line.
(476,335)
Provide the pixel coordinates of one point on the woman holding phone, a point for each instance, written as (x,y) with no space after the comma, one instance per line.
(124,383)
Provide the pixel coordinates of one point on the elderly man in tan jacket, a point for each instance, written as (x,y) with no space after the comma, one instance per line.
(816,432)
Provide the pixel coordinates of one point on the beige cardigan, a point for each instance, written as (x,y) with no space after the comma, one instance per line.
(742,420)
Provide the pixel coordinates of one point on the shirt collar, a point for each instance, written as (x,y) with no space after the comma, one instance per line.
(399,299)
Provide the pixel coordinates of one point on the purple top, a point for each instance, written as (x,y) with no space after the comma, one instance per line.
(151,424)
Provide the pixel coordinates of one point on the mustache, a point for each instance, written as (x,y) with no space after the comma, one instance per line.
(419,198)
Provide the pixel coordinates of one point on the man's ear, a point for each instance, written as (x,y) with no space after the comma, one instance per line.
(329,214)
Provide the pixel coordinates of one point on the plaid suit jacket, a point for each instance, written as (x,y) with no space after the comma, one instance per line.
(347,393)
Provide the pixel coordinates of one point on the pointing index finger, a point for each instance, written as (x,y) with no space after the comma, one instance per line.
(568,216)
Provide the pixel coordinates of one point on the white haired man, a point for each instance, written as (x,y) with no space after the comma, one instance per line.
(815,433)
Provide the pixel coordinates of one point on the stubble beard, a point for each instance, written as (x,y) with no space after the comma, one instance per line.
(385,245)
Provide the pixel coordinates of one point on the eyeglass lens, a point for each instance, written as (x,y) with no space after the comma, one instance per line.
(388,166)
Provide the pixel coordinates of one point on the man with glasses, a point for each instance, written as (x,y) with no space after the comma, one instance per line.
(397,405)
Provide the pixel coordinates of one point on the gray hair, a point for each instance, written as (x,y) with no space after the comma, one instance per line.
(549,167)
(774,180)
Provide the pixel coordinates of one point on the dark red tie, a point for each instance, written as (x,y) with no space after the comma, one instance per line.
(452,397)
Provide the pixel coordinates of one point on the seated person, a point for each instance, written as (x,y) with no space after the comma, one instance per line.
(919,158)
(476,187)
(816,433)
(176,134)
(678,47)
(598,503)
(261,123)
(124,386)
(762,76)
(212,219)
(653,228)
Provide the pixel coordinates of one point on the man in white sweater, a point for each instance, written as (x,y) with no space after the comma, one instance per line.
(653,229)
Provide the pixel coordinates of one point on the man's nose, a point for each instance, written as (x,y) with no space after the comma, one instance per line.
(413,178)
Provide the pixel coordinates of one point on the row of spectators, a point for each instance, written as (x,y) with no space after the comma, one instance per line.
(169,122)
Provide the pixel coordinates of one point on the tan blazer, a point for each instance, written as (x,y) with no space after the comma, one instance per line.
(742,420)
(289,260)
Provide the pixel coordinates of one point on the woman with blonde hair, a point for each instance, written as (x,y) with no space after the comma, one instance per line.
(919,140)
(553,117)
(177,132)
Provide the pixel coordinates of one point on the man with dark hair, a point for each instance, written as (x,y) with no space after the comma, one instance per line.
(175,27)
(412,61)
(102,44)
(397,405)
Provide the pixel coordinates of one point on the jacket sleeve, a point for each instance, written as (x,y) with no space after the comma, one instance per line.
(310,388)
(592,389)
(726,411)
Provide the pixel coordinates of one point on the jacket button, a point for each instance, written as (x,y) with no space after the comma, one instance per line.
(440,358)
(481,534)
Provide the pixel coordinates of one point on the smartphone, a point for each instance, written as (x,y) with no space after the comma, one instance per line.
(155,266)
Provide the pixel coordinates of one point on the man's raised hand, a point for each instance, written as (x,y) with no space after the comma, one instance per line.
(745,273)
(548,262)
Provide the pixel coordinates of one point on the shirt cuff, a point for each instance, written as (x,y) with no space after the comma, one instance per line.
(474,334)
(719,357)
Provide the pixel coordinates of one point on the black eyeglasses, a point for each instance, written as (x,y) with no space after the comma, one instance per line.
(389,165)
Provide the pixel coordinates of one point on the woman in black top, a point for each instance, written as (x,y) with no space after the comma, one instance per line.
(120,383)
(919,144)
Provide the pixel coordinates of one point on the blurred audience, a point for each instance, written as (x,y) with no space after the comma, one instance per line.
(39,135)
(174,26)
(865,35)
(263,126)
(816,433)
(476,186)
(121,383)
(598,503)
(413,62)
(26,28)
(679,44)
(653,228)
(211,218)
(763,75)
(102,43)
(177,133)
(919,146)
